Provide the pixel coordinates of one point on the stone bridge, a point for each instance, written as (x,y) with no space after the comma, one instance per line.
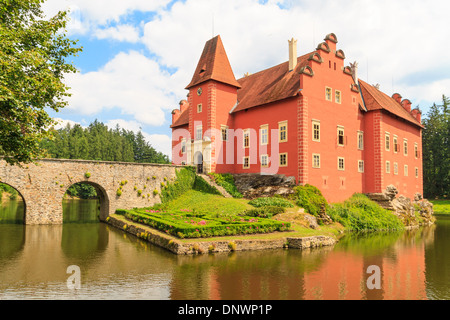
(43,184)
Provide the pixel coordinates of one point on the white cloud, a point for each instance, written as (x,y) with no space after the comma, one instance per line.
(131,82)
(126,33)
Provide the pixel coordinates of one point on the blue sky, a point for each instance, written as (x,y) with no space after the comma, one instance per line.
(139,55)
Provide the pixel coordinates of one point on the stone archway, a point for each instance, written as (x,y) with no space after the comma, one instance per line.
(102,196)
(20,194)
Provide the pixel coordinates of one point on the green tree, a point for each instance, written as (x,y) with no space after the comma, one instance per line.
(436,150)
(33,61)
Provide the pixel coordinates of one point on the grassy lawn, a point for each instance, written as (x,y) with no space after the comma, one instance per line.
(441,206)
(200,201)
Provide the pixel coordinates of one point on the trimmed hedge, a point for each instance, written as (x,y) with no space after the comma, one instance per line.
(271,201)
(197,225)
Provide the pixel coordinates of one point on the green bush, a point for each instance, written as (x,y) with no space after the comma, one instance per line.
(200,184)
(359,213)
(264,212)
(310,198)
(271,201)
(184,181)
(226,181)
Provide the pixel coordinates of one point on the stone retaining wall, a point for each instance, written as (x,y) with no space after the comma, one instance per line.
(200,247)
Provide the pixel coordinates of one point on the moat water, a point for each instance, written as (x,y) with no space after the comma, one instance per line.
(34,263)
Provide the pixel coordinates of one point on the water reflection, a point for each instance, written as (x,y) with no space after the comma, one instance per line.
(115,265)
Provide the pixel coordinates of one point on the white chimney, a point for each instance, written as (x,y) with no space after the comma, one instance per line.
(292,54)
(354,68)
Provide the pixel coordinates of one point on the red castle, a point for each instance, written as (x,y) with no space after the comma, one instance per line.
(309,117)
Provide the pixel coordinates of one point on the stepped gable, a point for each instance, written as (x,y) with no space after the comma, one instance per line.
(183,119)
(273,84)
(374,99)
(214,65)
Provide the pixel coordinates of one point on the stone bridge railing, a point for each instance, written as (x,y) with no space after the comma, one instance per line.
(43,184)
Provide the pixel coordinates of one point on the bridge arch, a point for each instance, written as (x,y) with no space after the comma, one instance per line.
(102,195)
(21,195)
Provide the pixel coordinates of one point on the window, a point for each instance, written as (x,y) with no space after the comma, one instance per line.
(246,163)
(183,146)
(337,96)
(283,159)
(395,168)
(224,130)
(360,140)
(405,170)
(198,133)
(387,144)
(405,147)
(316,160)
(328,94)
(340,133)
(416,151)
(388,167)
(246,138)
(395,143)
(264,134)
(417,172)
(264,160)
(316,130)
(360,166)
(199,108)
(341,163)
(282,129)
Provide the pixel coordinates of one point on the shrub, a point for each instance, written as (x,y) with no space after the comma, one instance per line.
(310,198)
(139,192)
(264,212)
(185,179)
(155,192)
(271,201)
(200,184)
(119,192)
(226,181)
(87,175)
(232,246)
(359,213)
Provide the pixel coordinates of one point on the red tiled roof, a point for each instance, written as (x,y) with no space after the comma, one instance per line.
(374,99)
(214,65)
(182,120)
(270,85)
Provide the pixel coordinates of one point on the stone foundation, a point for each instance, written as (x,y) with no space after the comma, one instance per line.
(201,246)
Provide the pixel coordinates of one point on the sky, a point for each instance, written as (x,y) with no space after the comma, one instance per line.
(139,55)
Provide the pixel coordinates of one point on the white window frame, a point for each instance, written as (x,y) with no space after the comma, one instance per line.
(246,135)
(417,172)
(264,160)
(328,94)
(264,137)
(388,167)
(395,168)
(416,150)
(339,164)
(222,128)
(405,147)
(280,125)
(341,129)
(316,164)
(199,108)
(387,141)
(360,140)
(405,170)
(283,154)
(183,146)
(338,96)
(361,166)
(395,144)
(314,130)
(246,164)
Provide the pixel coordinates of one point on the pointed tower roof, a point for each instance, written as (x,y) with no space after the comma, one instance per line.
(214,65)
